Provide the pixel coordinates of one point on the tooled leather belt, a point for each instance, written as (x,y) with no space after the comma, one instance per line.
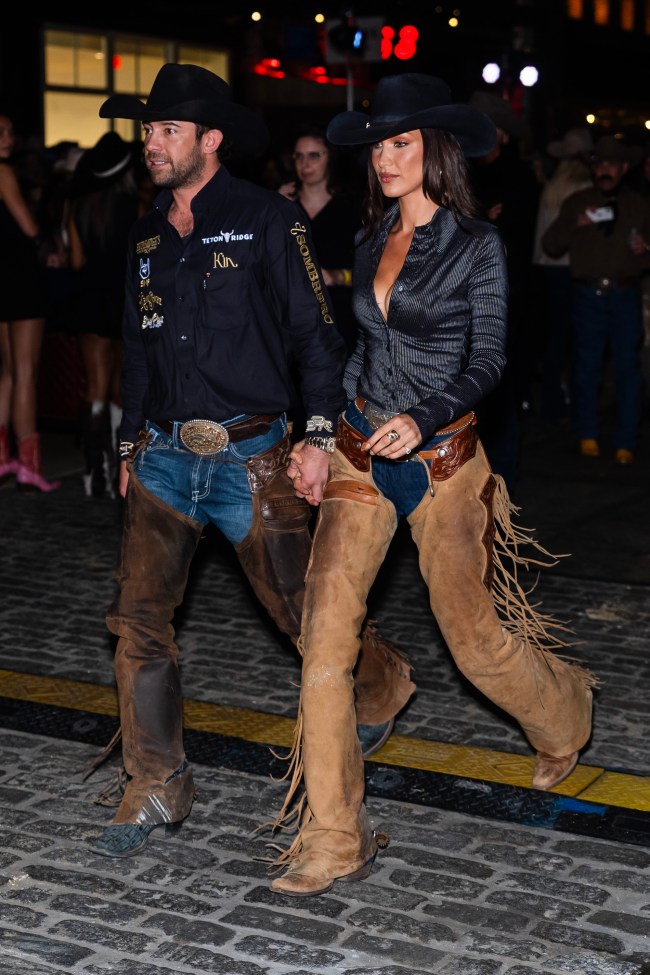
(443,459)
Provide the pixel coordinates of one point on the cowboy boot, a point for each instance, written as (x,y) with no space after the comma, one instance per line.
(275,556)
(157,549)
(29,477)
(499,642)
(8,464)
(335,840)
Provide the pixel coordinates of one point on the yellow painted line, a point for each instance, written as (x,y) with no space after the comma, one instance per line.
(586,782)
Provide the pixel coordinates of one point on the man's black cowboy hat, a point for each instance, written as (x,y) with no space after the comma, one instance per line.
(189,93)
(410,101)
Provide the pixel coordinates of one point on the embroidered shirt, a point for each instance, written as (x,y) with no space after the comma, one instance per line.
(442,347)
(214,321)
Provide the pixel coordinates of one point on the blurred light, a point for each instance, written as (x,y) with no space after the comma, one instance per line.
(647,123)
(491,73)
(387,35)
(256,15)
(529,76)
(453,21)
(408,38)
(270,67)
(357,40)
(320,18)
(117,62)
(98,56)
(590,119)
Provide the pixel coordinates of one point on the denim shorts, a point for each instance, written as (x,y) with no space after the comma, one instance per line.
(208,488)
(404,482)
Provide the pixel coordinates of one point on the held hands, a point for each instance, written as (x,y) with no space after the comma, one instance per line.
(308,469)
(396,438)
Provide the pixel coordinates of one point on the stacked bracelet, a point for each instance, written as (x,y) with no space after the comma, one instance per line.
(125,449)
(323,443)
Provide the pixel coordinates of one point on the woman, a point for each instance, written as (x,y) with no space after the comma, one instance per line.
(430,295)
(23,308)
(333,219)
(103,206)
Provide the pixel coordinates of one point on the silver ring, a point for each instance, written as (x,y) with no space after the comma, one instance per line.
(393,435)
(407,450)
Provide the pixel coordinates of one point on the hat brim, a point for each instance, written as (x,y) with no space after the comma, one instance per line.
(238,123)
(475,132)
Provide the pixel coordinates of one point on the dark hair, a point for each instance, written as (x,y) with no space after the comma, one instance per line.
(319,132)
(445,180)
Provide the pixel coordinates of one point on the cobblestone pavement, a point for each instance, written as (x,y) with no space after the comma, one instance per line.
(453,894)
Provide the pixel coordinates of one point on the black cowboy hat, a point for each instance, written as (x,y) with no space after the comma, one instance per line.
(410,101)
(189,93)
(110,157)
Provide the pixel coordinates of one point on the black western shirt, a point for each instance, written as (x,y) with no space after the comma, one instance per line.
(214,320)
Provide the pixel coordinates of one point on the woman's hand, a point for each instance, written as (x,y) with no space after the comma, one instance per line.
(396,438)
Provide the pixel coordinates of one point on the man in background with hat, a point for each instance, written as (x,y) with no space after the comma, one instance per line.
(223,295)
(605,229)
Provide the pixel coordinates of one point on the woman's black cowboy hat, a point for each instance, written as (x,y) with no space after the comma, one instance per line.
(410,101)
(189,93)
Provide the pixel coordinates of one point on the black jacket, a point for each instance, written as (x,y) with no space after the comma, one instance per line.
(213,321)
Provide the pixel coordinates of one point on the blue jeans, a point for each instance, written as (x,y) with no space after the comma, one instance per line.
(206,488)
(608,320)
(403,482)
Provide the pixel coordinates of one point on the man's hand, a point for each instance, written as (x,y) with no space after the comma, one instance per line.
(308,469)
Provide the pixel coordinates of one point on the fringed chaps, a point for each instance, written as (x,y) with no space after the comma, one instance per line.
(469,551)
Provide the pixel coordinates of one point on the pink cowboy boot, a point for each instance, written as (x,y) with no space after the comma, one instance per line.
(30,474)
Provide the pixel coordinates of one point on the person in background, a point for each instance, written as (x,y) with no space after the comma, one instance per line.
(334,220)
(571,173)
(605,229)
(220,281)
(103,205)
(430,295)
(24,251)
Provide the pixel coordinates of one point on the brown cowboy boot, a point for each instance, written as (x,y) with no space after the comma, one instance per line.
(157,548)
(335,840)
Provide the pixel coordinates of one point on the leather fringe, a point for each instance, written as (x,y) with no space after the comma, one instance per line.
(538,632)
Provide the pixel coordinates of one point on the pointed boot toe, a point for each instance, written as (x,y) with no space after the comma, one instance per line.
(551,770)
(313,873)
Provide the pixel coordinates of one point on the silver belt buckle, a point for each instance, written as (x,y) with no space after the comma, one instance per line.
(204,437)
(375,416)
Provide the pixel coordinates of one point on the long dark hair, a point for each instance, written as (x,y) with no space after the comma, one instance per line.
(445,180)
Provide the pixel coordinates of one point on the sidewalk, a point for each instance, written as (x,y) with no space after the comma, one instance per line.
(469,884)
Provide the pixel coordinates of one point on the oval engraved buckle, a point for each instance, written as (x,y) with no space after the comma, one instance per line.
(204,436)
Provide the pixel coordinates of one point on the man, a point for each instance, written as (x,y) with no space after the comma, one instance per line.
(222,295)
(605,229)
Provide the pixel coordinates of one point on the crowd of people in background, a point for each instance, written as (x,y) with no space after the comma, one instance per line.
(65,213)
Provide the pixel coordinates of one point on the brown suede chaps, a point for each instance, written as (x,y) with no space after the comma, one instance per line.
(158,545)
(462,530)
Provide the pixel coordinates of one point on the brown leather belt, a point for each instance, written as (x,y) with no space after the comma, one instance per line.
(253,426)
(443,459)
